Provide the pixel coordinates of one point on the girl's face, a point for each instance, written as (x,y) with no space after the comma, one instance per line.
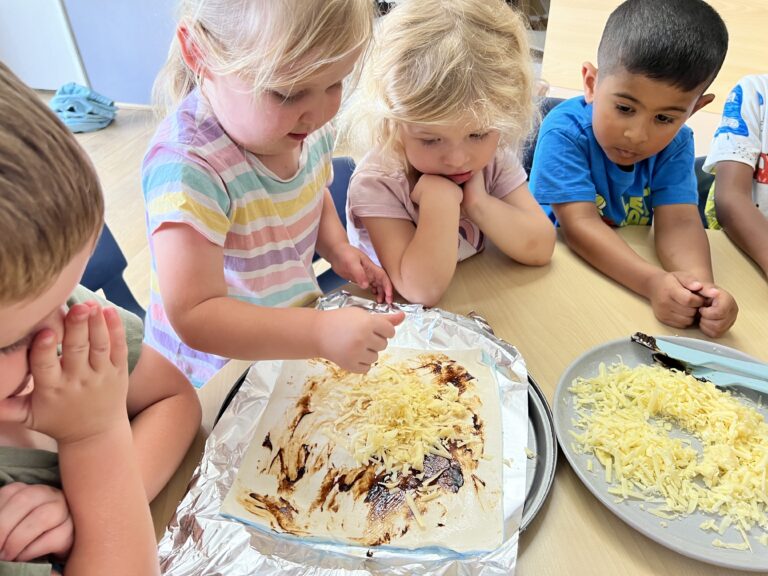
(456,150)
(275,122)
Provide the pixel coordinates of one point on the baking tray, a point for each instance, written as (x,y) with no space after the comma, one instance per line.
(200,541)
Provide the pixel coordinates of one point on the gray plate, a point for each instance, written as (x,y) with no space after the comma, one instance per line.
(540,471)
(682,535)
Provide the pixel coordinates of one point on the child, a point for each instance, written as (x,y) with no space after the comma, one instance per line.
(739,159)
(621,155)
(51,213)
(235,183)
(444,101)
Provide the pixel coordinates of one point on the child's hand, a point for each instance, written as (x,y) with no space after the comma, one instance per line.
(719,312)
(353,265)
(431,184)
(353,338)
(474,193)
(83,393)
(674,299)
(34,522)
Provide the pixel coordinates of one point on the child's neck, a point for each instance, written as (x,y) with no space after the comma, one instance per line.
(283,166)
(19,436)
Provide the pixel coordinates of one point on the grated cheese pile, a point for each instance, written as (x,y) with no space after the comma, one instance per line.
(625,416)
(393,417)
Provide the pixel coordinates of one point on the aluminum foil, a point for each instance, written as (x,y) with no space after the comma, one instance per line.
(199,541)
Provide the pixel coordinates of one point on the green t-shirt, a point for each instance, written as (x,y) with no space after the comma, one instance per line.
(41,466)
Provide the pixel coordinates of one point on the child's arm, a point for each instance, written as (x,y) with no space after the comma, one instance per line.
(196,300)
(421,259)
(681,242)
(737,213)
(165,415)
(515,223)
(80,401)
(671,293)
(346,260)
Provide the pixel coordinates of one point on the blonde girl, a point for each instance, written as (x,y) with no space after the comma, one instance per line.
(443,103)
(235,183)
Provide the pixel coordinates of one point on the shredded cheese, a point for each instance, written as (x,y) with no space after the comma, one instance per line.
(625,416)
(397,414)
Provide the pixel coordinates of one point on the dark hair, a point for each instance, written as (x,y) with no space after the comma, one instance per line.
(680,42)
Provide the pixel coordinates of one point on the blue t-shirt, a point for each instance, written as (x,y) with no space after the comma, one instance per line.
(570,166)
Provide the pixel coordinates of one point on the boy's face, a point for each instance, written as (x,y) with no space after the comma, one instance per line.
(19,323)
(635,117)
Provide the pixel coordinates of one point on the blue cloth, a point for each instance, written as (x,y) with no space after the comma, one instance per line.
(570,166)
(82,109)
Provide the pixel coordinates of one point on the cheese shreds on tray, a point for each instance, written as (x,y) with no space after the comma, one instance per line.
(645,425)
(408,455)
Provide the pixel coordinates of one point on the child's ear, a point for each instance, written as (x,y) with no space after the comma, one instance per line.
(703,100)
(589,78)
(190,52)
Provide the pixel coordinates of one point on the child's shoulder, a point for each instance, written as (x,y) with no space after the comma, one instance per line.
(191,124)
(757,83)
(377,164)
(571,116)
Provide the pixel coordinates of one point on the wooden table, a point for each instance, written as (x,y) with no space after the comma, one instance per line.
(552,315)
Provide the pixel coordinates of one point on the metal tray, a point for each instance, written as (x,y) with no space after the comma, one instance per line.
(197,528)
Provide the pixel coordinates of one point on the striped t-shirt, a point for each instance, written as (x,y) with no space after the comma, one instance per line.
(195,174)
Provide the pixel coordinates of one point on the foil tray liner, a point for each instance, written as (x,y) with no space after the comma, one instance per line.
(199,541)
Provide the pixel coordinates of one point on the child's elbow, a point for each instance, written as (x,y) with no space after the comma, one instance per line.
(538,250)
(425,295)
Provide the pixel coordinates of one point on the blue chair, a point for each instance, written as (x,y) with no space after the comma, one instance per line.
(704,182)
(105,272)
(545,106)
(343,167)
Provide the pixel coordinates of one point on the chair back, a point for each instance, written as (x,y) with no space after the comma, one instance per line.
(343,167)
(104,272)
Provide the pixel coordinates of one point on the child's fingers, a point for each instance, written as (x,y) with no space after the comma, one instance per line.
(54,541)
(118,345)
(98,339)
(44,361)
(75,344)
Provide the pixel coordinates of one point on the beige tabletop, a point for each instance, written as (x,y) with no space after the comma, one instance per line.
(552,315)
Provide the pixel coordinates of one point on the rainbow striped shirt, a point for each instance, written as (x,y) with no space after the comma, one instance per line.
(267,227)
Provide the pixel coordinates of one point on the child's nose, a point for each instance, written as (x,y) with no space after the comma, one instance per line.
(636,132)
(456,158)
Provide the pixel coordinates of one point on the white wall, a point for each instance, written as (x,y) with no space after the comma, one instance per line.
(36,43)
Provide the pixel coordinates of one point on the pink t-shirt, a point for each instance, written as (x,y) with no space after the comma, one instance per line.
(380,191)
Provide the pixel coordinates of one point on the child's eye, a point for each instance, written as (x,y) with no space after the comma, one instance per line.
(623,108)
(15,346)
(478,135)
(664,119)
(286,98)
(430,141)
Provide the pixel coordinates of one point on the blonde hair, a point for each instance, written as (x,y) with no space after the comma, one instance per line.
(434,60)
(51,204)
(270,43)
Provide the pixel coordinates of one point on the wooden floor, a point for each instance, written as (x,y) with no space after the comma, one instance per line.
(117,152)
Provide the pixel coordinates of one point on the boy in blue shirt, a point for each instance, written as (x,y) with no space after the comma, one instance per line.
(621,155)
